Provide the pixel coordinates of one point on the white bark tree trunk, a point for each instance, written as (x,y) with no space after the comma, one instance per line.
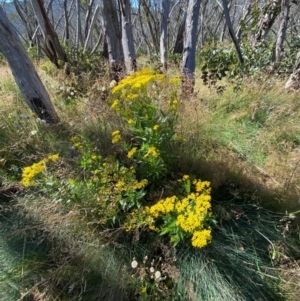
(127,37)
(113,38)
(293,83)
(231,31)
(50,42)
(266,23)
(24,72)
(285,11)
(164,34)
(189,48)
(91,28)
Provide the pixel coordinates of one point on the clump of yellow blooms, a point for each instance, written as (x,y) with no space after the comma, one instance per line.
(152,151)
(131,152)
(116,136)
(189,213)
(137,81)
(30,172)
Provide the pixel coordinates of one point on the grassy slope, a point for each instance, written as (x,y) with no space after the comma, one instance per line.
(246,143)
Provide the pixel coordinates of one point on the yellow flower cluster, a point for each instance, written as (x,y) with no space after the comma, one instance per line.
(201,238)
(30,172)
(131,152)
(140,185)
(189,212)
(162,207)
(116,136)
(137,80)
(155,128)
(152,151)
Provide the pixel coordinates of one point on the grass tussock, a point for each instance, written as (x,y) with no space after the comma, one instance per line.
(83,227)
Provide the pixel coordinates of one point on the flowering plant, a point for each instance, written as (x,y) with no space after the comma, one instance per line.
(153,130)
(186,216)
(31,172)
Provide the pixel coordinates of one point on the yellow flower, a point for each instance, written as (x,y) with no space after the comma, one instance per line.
(116,136)
(140,185)
(155,128)
(53,157)
(144,290)
(115,104)
(201,238)
(120,184)
(131,152)
(130,121)
(152,151)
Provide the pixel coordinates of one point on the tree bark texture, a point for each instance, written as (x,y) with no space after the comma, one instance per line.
(127,37)
(189,50)
(164,34)
(293,83)
(178,46)
(285,11)
(24,72)
(231,31)
(50,41)
(113,38)
(272,10)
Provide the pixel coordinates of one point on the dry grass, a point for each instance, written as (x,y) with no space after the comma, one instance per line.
(248,139)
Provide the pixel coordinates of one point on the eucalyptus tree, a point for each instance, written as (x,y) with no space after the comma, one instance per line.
(284,16)
(26,77)
(164,34)
(231,31)
(26,16)
(189,46)
(50,42)
(271,12)
(113,38)
(127,37)
(293,82)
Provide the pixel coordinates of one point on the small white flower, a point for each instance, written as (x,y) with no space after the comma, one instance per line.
(152,270)
(134,264)
(157,274)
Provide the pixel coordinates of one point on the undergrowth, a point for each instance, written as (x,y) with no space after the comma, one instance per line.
(141,195)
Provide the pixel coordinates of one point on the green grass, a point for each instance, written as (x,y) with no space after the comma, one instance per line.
(239,141)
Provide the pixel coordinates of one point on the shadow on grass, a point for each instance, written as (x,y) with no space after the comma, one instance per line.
(35,265)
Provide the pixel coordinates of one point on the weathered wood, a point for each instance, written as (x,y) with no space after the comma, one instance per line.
(127,37)
(189,50)
(113,38)
(285,11)
(164,34)
(25,75)
(50,41)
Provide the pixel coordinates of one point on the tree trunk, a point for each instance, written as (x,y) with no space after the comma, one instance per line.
(67,24)
(127,37)
(189,50)
(24,72)
(231,31)
(178,46)
(285,11)
(90,30)
(79,41)
(164,34)
(113,38)
(271,12)
(293,83)
(151,22)
(25,19)
(50,42)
